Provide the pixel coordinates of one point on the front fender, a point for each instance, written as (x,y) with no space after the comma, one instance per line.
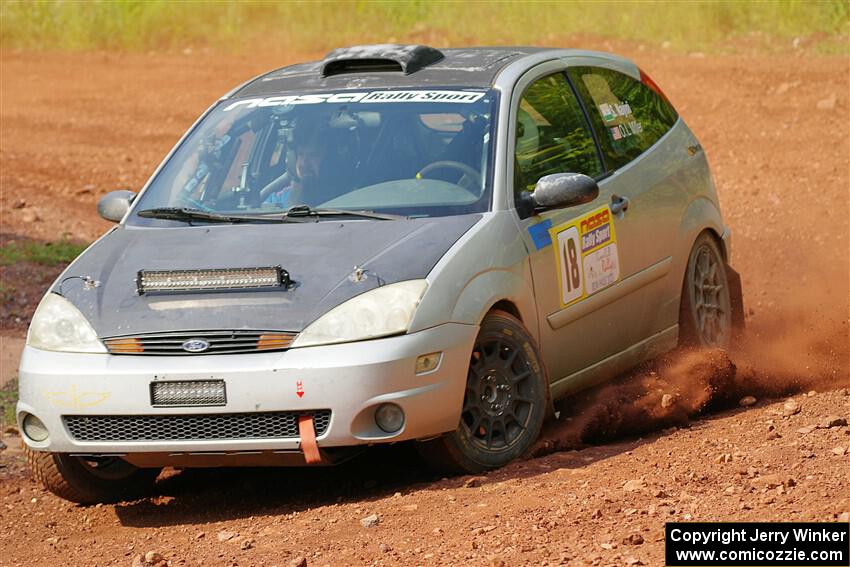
(486,265)
(488,288)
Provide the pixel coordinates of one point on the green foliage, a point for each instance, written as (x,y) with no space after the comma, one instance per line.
(8,400)
(46,254)
(306,26)
(6,293)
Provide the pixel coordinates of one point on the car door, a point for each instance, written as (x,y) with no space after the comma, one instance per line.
(646,153)
(578,254)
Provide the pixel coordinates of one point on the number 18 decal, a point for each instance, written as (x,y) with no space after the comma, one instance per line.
(586,256)
(571,268)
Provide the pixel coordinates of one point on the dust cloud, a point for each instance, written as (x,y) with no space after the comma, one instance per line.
(799,347)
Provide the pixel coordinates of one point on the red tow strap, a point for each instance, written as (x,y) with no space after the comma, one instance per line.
(308,439)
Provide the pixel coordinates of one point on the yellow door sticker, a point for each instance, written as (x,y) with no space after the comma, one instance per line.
(586,255)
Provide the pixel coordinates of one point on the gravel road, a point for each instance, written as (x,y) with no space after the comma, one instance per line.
(622,460)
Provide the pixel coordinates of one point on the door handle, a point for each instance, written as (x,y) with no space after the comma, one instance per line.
(619,205)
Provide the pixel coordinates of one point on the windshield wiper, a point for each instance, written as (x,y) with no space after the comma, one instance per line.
(307,211)
(188,214)
(298,213)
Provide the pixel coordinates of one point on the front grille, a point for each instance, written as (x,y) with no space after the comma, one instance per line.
(268,425)
(219,342)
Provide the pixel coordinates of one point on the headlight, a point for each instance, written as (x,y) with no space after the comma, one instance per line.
(384,311)
(58,325)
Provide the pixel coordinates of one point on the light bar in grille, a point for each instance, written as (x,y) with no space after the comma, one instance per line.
(188,393)
(149,281)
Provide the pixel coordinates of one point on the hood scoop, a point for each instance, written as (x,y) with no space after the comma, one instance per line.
(214,279)
(405,59)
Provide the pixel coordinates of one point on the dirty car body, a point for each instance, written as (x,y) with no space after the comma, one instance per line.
(318,265)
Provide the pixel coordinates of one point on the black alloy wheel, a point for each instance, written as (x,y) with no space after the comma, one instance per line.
(504,404)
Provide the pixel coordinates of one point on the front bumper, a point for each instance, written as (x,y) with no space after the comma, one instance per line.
(350,380)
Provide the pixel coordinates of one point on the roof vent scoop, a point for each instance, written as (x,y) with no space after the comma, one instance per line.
(379,58)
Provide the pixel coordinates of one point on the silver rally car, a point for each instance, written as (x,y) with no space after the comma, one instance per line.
(394,243)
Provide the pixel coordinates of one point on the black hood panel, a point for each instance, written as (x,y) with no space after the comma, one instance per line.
(318,256)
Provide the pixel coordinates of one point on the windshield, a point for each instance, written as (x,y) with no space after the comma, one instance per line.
(411,153)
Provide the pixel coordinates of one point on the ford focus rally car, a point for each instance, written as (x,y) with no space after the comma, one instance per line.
(394,243)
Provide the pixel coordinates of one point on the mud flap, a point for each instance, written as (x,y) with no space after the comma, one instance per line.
(736,299)
(308,439)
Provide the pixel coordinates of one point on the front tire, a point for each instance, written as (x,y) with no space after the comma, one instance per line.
(705,316)
(90,480)
(504,404)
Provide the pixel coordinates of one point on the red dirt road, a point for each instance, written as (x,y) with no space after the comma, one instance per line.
(775,128)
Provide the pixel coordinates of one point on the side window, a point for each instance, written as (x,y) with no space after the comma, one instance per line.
(627,115)
(552,134)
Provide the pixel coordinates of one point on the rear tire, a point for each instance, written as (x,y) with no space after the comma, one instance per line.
(90,481)
(705,315)
(504,404)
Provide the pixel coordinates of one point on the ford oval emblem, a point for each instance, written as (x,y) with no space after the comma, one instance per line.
(196,345)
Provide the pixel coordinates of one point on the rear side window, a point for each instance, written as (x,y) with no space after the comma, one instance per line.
(627,115)
(552,134)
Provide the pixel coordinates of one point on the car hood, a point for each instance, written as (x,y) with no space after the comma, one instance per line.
(319,256)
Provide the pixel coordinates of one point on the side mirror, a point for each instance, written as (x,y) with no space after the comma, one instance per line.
(561,190)
(557,191)
(115,204)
